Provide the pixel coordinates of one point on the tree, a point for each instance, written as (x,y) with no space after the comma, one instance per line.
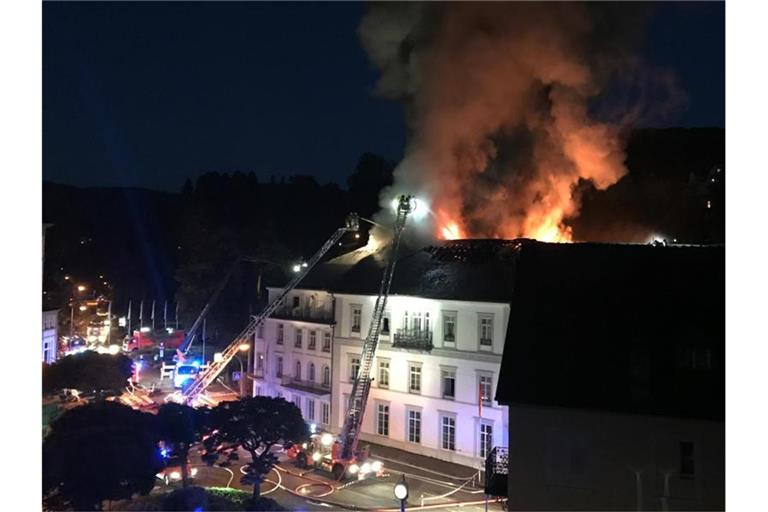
(89,372)
(179,427)
(97,452)
(255,424)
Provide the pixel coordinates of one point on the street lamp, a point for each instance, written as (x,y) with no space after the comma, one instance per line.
(244,347)
(81,288)
(401,492)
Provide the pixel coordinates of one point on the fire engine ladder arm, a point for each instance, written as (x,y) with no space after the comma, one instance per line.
(350,434)
(206,377)
(192,333)
(190,337)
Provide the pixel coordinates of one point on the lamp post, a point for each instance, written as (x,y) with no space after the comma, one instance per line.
(401,492)
(244,347)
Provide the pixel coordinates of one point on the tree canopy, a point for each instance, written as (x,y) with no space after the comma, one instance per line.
(97,452)
(255,424)
(88,371)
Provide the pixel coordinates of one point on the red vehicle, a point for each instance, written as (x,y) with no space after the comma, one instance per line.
(147,339)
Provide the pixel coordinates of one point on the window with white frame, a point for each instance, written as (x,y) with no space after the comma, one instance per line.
(448,433)
(310,409)
(311,372)
(325,413)
(298,342)
(383,373)
(259,361)
(354,368)
(414,426)
(312,340)
(448,379)
(485,391)
(297,373)
(280,334)
(278,366)
(449,327)
(414,378)
(297,401)
(326,341)
(382,419)
(485,442)
(326,376)
(486,331)
(357,315)
(427,323)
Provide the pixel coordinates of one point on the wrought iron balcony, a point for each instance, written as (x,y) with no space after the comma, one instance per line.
(305,314)
(416,339)
(497,471)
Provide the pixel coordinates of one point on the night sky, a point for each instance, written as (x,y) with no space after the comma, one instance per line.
(147,94)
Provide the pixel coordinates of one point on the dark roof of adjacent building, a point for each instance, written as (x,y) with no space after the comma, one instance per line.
(616,327)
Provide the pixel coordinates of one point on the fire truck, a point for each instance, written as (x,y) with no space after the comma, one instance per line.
(341,456)
(323,452)
(146,338)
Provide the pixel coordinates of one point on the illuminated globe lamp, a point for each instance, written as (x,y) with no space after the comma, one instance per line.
(401,492)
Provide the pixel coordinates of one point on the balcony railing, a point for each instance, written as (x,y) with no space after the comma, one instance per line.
(305,385)
(497,471)
(305,314)
(416,339)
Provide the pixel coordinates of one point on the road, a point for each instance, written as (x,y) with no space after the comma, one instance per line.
(314,490)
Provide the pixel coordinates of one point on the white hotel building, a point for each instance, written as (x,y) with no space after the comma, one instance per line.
(438,359)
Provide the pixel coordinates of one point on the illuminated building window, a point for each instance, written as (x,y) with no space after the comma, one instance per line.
(448,378)
(382,419)
(310,409)
(414,426)
(357,313)
(325,413)
(486,331)
(486,439)
(383,373)
(485,391)
(449,328)
(326,342)
(298,342)
(326,376)
(354,368)
(414,378)
(448,433)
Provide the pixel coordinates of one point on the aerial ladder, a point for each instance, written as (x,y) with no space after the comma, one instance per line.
(192,332)
(203,379)
(350,433)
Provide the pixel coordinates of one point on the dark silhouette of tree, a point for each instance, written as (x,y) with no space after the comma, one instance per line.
(179,427)
(256,425)
(97,452)
(88,372)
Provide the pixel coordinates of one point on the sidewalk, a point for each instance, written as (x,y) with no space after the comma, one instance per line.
(412,461)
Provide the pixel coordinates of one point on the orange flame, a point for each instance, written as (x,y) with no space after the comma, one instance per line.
(451,231)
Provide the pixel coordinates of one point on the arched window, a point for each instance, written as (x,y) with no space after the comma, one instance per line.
(326,376)
(311,372)
(298,370)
